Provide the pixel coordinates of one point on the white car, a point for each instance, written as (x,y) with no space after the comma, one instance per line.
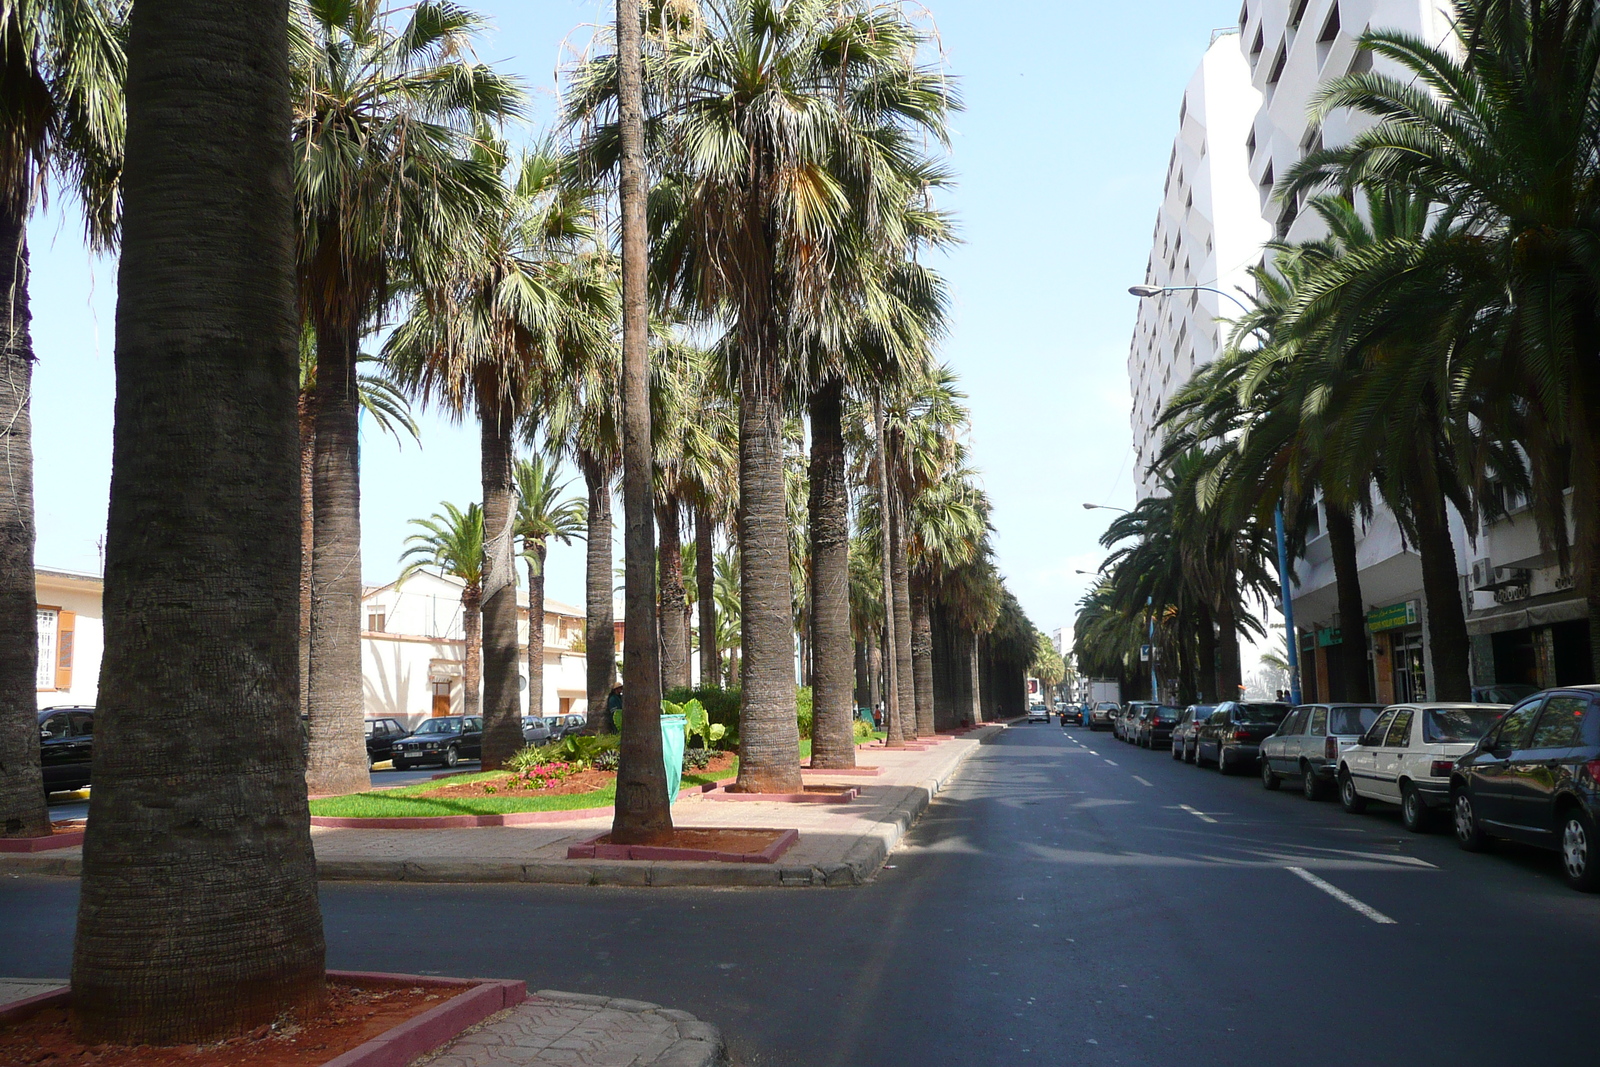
(1406,756)
(1039,713)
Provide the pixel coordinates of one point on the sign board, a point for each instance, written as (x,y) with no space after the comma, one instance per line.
(1328,638)
(1392,617)
(1144,653)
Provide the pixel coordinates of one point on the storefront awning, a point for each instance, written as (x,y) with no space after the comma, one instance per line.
(1527,614)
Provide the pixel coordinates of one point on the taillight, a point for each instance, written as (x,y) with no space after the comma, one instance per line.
(1440,768)
(1330,748)
(1241,735)
(1593,767)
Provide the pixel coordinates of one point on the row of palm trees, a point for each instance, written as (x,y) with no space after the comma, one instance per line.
(287,180)
(1437,348)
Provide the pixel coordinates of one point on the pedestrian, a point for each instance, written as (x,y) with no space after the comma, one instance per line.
(614,707)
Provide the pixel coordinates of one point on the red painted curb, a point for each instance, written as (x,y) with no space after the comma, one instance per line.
(591,849)
(452,822)
(41,844)
(479,998)
(857,772)
(788,798)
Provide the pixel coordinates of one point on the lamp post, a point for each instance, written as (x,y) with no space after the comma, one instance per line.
(1104,507)
(1285,603)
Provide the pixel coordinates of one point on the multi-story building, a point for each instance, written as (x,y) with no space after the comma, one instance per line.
(1208,233)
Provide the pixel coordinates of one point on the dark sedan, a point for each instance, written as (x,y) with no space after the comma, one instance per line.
(381,736)
(1188,724)
(1535,778)
(1155,725)
(1232,735)
(446,741)
(66,747)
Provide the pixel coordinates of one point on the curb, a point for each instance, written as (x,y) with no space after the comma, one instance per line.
(699,1044)
(70,839)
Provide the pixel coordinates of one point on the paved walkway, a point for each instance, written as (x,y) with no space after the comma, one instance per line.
(553,1028)
(840,844)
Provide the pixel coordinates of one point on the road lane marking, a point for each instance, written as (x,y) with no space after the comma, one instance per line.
(1341,896)
(1202,816)
(1092,752)
(1141,781)
(1112,762)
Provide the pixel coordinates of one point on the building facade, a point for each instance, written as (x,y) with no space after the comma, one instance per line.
(1208,233)
(71,636)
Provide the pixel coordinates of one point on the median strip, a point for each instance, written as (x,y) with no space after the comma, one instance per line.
(1341,896)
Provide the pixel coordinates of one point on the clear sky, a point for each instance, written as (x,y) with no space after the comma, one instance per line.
(1060,156)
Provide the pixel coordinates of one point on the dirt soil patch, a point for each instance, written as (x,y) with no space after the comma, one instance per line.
(582,782)
(69,826)
(830,790)
(351,1015)
(713,840)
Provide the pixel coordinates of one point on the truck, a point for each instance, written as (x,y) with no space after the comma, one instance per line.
(1104,689)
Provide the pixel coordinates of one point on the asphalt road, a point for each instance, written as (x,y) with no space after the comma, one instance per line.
(1069,900)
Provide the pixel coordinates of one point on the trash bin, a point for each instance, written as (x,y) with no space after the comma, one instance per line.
(673,732)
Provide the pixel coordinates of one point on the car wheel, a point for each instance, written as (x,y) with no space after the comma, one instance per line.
(451,756)
(1577,852)
(1189,754)
(1353,802)
(1268,779)
(1223,766)
(1469,835)
(1177,753)
(1310,784)
(1414,814)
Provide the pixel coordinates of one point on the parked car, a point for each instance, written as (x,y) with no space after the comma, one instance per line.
(535,730)
(574,723)
(1155,724)
(381,736)
(1232,734)
(1103,715)
(66,747)
(1183,731)
(1123,730)
(557,725)
(1407,756)
(1308,744)
(1503,693)
(1535,778)
(1039,713)
(446,741)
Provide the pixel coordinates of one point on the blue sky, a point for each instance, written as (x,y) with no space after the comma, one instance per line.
(1060,156)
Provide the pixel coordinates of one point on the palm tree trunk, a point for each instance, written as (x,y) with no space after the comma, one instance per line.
(599,631)
(905,678)
(1210,679)
(832,733)
(1352,610)
(669,606)
(307,411)
(472,664)
(977,688)
(769,736)
(1447,622)
(643,812)
(502,703)
(1585,471)
(705,564)
(893,726)
(874,669)
(1230,677)
(337,756)
(22,802)
(536,626)
(197,915)
(922,656)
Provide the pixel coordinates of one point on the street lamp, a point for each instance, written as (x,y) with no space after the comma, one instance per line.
(1285,604)
(1104,507)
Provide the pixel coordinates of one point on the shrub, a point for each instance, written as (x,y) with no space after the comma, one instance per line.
(802,709)
(697,759)
(862,730)
(722,708)
(607,760)
(578,750)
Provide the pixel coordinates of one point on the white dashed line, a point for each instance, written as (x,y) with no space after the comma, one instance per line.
(1202,816)
(1112,762)
(1141,781)
(1341,896)
(1092,752)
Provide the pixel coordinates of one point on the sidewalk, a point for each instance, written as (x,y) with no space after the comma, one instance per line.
(840,844)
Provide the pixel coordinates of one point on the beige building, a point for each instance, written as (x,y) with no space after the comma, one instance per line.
(413,651)
(71,636)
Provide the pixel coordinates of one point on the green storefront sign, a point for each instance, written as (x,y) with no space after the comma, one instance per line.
(1392,617)
(1329,638)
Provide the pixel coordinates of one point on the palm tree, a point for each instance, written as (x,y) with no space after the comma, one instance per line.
(1500,129)
(777,118)
(453,541)
(392,175)
(543,515)
(198,916)
(61,74)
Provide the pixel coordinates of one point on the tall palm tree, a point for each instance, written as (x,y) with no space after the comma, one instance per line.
(453,542)
(61,74)
(392,177)
(778,116)
(493,334)
(543,515)
(197,915)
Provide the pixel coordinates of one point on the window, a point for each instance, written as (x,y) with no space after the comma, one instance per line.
(1319,721)
(1250,145)
(1374,735)
(1286,217)
(1561,725)
(1298,15)
(1330,28)
(1275,73)
(1295,723)
(376,621)
(1351,720)
(45,672)
(1454,726)
(1399,735)
(82,724)
(56,728)
(1244,15)
(1256,46)
(1514,728)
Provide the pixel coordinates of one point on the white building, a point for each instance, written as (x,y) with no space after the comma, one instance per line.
(413,651)
(1208,233)
(71,636)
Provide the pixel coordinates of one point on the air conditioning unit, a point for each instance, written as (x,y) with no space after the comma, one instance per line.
(1482,575)
(1506,576)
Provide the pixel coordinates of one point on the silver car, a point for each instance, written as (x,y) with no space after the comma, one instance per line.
(1308,743)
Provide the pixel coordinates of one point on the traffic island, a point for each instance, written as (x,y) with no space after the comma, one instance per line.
(63,834)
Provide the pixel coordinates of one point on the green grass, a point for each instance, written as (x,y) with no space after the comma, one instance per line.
(404,802)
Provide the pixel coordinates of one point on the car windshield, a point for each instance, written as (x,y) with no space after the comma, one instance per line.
(1450,726)
(1106,705)
(1268,713)
(1165,712)
(1351,720)
(440,726)
(1509,693)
